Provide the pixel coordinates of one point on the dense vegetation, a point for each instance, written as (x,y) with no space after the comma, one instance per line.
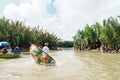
(105,36)
(20,35)
(65,43)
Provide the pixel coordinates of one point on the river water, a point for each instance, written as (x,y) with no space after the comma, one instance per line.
(70,65)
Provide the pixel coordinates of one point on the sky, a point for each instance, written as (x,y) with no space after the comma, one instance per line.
(61,17)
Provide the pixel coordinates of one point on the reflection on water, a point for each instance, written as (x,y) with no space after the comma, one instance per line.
(70,65)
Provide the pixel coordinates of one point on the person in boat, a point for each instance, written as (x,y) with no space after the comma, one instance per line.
(54,48)
(9,50)
(45,48)
(4,50)
(16,50)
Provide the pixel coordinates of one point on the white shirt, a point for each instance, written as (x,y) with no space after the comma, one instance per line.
(46,49)
(9,51)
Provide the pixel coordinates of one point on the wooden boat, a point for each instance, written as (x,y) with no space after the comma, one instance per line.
(8,56)
(40,56)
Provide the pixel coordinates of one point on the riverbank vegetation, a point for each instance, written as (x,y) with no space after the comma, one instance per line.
(104,37)
(18,34)
(65,43)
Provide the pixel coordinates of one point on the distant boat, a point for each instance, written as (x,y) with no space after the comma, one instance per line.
(8,56)
(56,49)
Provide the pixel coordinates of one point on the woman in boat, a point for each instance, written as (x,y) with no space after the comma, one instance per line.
(17,50)
(9,50)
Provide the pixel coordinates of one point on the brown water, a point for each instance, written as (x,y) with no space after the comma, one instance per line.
(71,65)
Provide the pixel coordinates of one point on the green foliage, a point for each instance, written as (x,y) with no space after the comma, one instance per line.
(18,34)
(65,43)
(107,34)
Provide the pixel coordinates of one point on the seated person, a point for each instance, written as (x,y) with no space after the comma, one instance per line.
(4,50)
(16,50)
(9,50)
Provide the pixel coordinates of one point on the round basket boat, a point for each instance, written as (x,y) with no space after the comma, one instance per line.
(40,56)
(8,56)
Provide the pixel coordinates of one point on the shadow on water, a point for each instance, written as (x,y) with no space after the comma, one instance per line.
(70,65)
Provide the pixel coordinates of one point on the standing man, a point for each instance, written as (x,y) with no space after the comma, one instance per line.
(45,48)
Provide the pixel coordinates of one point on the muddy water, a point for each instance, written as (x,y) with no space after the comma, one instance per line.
(70,65)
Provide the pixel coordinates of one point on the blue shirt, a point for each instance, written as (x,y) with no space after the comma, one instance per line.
(16,51)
